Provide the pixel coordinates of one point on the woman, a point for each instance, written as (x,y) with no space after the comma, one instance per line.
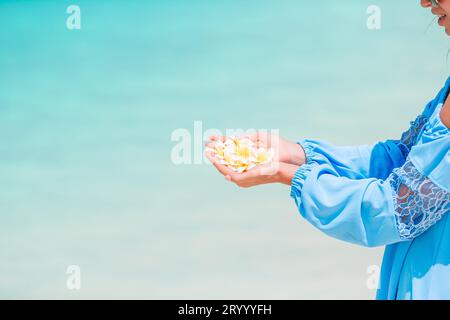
(395,193)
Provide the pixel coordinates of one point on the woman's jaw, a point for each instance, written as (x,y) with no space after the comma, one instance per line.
(442,12)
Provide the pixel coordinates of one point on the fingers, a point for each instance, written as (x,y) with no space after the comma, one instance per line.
(223,169)
(220,167)
(227,172)
(260,174)
(210,144)
(239,180)
(253,137)
(242,180)
(248,179)
(217,138)
(261,139)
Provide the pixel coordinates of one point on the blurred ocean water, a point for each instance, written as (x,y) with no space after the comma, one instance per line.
(86,118)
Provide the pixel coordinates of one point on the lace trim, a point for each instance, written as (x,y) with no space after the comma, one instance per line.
(409,138)
(419,203)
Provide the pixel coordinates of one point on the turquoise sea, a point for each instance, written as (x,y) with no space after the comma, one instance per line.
(86,118)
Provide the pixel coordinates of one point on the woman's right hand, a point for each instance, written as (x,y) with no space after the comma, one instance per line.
(284,151)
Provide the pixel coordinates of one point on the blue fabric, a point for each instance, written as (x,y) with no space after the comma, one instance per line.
(394,193)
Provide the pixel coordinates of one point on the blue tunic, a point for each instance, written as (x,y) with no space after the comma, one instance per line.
(396,194)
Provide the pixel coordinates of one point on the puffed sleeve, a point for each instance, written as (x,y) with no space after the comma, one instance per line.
(378,160)
(369,161)
(358,162)
(368,211)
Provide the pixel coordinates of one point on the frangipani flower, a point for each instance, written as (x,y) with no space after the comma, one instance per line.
(241,155)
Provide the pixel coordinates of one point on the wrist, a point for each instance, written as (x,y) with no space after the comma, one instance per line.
(297,154)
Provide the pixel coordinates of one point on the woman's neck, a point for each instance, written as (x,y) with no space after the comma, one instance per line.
(445,113)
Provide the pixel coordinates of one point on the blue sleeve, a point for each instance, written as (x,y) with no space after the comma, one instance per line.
(369,212)
(378,195)
(373,161)
(376,161)
(353,210)
(359,162)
